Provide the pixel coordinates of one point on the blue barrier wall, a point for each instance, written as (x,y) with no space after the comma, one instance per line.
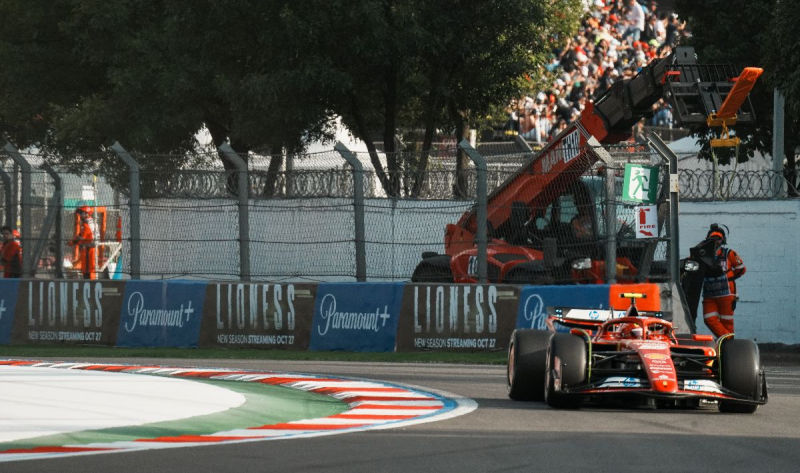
(165,314)
(8,302)
(356,316)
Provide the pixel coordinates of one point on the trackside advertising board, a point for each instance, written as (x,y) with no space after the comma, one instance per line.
(536,302)
(356,316)
(255,315)
(370,317)
(8,301)
(161,314)
(457,317)
(67,311)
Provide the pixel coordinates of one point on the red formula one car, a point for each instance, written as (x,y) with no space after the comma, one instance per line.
(633,357)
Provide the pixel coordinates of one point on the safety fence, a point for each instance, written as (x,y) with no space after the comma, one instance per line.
(311,217)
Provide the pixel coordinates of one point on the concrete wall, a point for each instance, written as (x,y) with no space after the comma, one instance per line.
(764,233)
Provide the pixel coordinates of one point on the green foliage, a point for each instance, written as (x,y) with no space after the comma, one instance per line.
(262,74)
(784,55)
(760,33)
(39,67)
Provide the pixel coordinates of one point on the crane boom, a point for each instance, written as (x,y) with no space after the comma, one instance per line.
(694,91)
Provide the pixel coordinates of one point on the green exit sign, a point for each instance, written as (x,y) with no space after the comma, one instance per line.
(640,184)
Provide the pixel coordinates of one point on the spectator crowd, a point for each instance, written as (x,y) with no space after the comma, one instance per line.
(616,38)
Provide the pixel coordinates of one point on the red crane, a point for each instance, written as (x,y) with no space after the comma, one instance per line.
(522,251)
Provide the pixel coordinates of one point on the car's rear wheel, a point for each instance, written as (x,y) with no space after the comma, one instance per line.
(740,370)
(566,367)
(527,361)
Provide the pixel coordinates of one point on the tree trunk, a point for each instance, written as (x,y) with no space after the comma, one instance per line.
(275,163)
(460,186)
(389,131)
(420,166)
(362,132)
(219,135)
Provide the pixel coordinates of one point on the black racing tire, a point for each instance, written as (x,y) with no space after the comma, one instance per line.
(433,269)
(567,357)
(740,371)
(527,361)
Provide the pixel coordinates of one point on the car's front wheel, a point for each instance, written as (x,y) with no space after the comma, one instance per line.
(740,371)
(566,367)
(527,361)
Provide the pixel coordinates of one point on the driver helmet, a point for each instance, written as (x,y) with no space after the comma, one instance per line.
(632,331)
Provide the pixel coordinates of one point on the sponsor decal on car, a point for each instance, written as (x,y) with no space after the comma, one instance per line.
(656,356)
(652,345)
(623,382)
(593,314)
(703,385)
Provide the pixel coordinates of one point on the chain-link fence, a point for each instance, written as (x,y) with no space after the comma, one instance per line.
(549,212)
(302,222)
(39,200)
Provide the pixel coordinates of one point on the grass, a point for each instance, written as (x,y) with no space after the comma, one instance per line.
(83,351)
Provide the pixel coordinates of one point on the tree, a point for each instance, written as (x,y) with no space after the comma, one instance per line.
(151,74)
(40,68)
(262,74)
(752,33)
(782,60)
(489,62)
(430,64)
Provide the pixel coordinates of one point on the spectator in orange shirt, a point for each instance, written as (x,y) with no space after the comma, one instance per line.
(10,254)
(84,239)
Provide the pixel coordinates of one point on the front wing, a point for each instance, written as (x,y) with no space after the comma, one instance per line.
(695,380)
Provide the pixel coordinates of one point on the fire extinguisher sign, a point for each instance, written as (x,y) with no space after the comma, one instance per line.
(646,221)
(640,184)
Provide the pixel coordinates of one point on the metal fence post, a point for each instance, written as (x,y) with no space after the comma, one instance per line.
(133,183)
(358,208)
(674,189)
(243,186)
(482,213)
(54,219)
(14,219)
(610,209)
(778,104)
(26,170)
(9,205)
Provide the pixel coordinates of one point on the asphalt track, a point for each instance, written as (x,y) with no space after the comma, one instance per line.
(500,436)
